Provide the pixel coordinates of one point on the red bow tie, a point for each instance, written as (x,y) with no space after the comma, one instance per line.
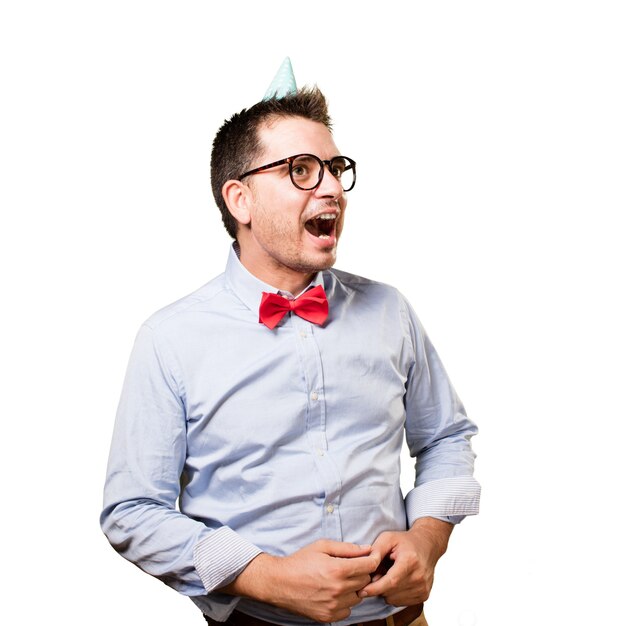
(312,305)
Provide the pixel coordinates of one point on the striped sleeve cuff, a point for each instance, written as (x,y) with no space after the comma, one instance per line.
(445,498)
(221,556)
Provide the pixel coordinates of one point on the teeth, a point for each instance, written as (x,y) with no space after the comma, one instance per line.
(326,216)
(323,236)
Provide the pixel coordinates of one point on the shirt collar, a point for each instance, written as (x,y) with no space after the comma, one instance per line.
(248,288)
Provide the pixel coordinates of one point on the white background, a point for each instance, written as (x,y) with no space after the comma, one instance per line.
(491,142)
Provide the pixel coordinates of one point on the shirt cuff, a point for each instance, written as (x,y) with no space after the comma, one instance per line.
(450,499)
(221,556)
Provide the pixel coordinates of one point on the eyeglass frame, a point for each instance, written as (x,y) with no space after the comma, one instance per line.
(324,162)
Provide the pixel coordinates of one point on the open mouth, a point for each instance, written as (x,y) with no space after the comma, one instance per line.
(322,226)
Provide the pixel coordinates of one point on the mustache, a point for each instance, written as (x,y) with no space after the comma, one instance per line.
(333,205)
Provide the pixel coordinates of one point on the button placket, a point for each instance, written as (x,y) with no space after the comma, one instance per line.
(329,479)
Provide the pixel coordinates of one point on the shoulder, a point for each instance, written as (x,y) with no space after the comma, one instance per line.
(365,293)
(205,298)
(344,281)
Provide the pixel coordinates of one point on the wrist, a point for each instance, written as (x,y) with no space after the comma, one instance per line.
(256,580)
(434,531)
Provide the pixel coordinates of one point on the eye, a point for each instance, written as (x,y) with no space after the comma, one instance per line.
(305,168)
(338,167)
(299,169)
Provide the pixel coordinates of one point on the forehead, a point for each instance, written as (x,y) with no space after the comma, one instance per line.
(287,136)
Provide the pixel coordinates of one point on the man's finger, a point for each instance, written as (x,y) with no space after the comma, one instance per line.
(341,549)
(378,588)
(383,545)
(360,566)
(353,561)
(383,585)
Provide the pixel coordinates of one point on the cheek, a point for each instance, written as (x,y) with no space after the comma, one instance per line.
(277,226)
(281,214)
(341,222)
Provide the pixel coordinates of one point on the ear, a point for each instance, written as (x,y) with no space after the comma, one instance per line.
(237,198)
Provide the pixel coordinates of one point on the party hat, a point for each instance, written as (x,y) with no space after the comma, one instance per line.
(284,82)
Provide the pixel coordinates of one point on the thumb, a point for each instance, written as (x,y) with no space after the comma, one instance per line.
(383,545)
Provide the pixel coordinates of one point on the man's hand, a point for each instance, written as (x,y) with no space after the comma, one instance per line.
(412,556)
(320,581)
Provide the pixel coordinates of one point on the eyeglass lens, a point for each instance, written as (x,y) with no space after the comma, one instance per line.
(306,171)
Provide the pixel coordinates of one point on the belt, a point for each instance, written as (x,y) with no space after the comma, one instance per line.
(401,618)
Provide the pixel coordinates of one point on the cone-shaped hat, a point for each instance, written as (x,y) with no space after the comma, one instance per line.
(284,82)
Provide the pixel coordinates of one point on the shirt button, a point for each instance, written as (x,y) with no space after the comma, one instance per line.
(303,334)
(320,452)
(314,395)
(330,508)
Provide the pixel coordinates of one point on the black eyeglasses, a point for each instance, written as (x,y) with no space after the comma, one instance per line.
(307,171)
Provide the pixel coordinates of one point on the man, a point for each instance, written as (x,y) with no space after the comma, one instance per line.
(272,403)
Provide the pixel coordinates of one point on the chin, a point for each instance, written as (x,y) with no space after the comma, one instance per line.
(326,260)
(322,262)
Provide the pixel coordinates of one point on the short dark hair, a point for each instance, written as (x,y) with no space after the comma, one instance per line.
(237,142)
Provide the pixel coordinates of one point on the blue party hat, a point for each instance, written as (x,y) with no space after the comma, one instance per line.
(284,82)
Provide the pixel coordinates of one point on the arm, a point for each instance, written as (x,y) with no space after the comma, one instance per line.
(146,461)
(438,435)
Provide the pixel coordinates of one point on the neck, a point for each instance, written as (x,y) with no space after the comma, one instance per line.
(279,276)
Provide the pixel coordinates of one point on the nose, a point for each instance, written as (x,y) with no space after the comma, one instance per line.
(330,185)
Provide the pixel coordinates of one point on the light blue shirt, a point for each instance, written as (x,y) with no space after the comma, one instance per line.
(271,439)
